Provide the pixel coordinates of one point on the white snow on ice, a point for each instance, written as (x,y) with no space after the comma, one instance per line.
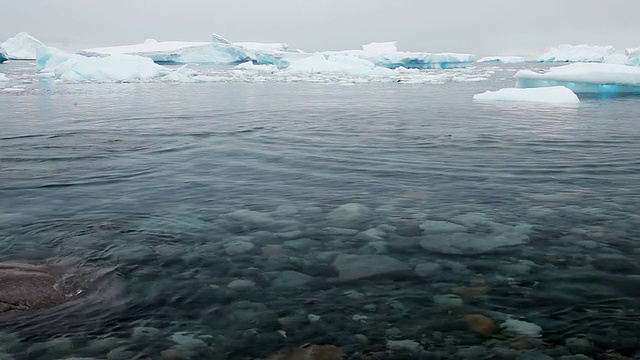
(578,53)
(21,47)
(585,78)
(548,95)
(633,56)
(106,69)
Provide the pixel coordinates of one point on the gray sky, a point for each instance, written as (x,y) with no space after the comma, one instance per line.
(483,27)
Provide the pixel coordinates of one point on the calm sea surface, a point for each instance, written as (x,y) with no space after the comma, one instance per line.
(246,218)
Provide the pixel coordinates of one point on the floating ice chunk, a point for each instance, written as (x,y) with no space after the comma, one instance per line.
(3,56)
(502,59)
(21,47)
(3,77)
(111,68)
(633,57)
(585,78)
(249,65)
(386,55)
(619,59)
(181,75)
(548,95)
(577,53)
(376,49)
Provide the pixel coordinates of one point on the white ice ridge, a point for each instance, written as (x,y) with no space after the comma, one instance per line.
(581,53)
(219,51)
(21,47)
(502,59)
(110,68)
(585,78)
(633,56)
(386,54)
(548,95)
(223,52)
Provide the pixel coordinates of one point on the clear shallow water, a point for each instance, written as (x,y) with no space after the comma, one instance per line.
(150,177)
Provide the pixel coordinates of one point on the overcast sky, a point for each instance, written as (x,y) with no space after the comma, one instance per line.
(484,27)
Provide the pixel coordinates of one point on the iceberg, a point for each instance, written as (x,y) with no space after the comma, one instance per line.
(585,78)
(249,65)
(548,95)
(181,52)
(3,56)
(633,57)
(387,55)
(219,51)
(577,53)
(21,47)
(502,59)
(110,68)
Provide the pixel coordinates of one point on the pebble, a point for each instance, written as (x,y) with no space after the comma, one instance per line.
(301,244)
(144,331)
(187,340)
(476,352)
(238,247)
(404,345)
(575,357)
(481,324)
(579,345)
(428,270)
(355,267)
(292,279)
(177,354)
(522,328)
(439,227)
(533,355)
(241,284)
(448,300)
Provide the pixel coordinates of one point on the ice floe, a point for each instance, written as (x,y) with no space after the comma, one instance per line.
(111,68)
(502,59)
(585,78)
(3,77)
(21,47)
(547,95)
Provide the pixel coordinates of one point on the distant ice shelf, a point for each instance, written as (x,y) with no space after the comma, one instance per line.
(386,55)
(556,95)
(585,78)
(21,47)
(583,53)
(223,52)
(502,59)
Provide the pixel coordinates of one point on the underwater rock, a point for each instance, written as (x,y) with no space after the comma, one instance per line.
(313,352)
(355,267)
(481,324)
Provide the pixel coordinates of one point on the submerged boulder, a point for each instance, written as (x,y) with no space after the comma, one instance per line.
(35,296)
